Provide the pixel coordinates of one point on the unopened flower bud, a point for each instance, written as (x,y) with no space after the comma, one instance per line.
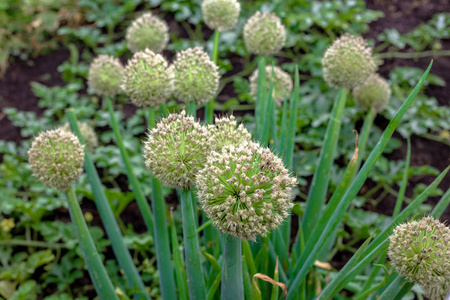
(147,32)
(253,195)
(56,158)
(88,134)
(264,34)
(105,76)
(419,252)
(196,76)
(348,62)
(176,149)
(373,93)
(221,14)
(148,79)
(282,83)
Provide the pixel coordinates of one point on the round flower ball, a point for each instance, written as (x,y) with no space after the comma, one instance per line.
(264,34)
(221,14)
(282,83)
(148,79)
(196,76)
(147,32)
(348,62)
(56,158)
(105,76)
(245,190)
(373,93)
(176,150)
(88,134)
(225,131)
(420,251)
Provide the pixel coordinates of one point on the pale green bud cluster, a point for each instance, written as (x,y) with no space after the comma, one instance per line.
(148,79)
(348,62)
(87,132)
(225,131)
(282,83)
(221,14)
(105,76)
(147,32)
(373,93)
(245,190)
(264,34)
(56,158)
(196,76)
(420,252)
(176,150)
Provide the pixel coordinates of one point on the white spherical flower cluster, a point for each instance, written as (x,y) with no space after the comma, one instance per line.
(148,79)
(221,14)
(420,252)
(196,76)
(56,158)
(176,150)
(147,32)
(264,34)
(348,62)
(105,76)
(282,83)
(88,134)
(373,93)
(225,132)
(245,189)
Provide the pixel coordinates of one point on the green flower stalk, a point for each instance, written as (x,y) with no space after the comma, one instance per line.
(420,251)
(373,93)
(196,76)
(148,79)
(176,150)
(264,34)
(348,62)
(282,83)
(147,32)
(88,133)
(221,14)
(245,190)
(56,158)
(105,76)
(227,132)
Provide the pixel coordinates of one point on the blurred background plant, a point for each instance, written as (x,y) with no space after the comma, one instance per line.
(39,252)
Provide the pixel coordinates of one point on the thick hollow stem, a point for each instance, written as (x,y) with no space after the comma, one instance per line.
(232,281)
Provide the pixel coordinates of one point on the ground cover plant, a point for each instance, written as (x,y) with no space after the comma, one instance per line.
(211,146)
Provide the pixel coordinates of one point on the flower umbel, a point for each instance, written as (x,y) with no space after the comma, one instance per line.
(56,158)
(420,251)
(176,149)
(282,83)
(147,32)
(88,134)
(225,131)
(264,34)
(105,76)
(245,190)
(221,14)
(348,62)
(148,79)
(373,93)
(196,76)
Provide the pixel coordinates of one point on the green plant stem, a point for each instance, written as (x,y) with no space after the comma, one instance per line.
(37,244)
(365,131)
(260,98)
(112,229)
(232,280)
(209,109)
(389,55)
(96,269)
(319,185)
(194,270)
(140,198)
